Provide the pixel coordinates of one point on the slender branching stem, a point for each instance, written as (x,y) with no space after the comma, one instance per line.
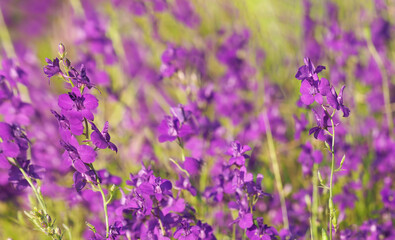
(35,190)
(331,207)
(314,208)
(276,169)
(103,195)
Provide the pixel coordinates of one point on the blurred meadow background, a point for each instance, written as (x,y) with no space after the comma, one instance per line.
(232,65)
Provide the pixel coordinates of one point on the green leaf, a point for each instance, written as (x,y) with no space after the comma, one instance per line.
(91,227)
(341,163)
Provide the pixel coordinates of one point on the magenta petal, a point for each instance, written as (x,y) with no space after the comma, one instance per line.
(4,164)
(80,166)
(5,131)
(98,140)
(191,165)
(246,221)
(65,102)
(319,99)
(90,101)
(76,91)
(10,149)
(146,188)
(307,99)
(87,154)
(87,114)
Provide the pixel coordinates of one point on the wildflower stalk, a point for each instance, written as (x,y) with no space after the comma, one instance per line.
(314,211)
(384,75)
(40,218)
(105,202)
(276,169)
(6,38)
(331,207)
(103,195)
(35,190)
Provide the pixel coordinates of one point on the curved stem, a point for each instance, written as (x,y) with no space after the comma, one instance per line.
(103,198)
(6,38)
(385,85)
(36,192)
(276,170)
(314,211)
(331,208)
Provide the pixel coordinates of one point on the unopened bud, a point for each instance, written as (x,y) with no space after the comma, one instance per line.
(67,63)
(58,231)
(49,219)
(62,50)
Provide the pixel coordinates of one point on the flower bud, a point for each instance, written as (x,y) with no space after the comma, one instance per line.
(67,63)
(49,219)
(62,50)
(58,231)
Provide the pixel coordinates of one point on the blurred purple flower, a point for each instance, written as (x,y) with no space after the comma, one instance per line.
(77,106)
(52,68)
(308,71)
(237,153)
(77,155)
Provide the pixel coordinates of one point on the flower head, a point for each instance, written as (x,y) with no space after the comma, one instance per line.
(52,68)
(102,139)
(308,71)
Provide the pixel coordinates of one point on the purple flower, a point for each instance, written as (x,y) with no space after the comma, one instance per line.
(186,232)
(102,139)
(52,68)
(322,118)
(170,129)
(77,106)
(13,73)
(245,218)
(16,177)
(80,179)
(78,155)
(65,127)
(300,125)
(181,114)
(183,11)
(309,91)
(141,203)
(192,165)
(80,79)
(308,157)
(185,183)
(8,149)
(237,151)
(308,71)
(261,231)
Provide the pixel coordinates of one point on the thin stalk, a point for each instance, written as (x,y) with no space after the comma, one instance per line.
(86,129)
(234,232)
(385,85)
(314,210)
(6,38)
(38,196)
(103,198)
(276,169)
(331,208)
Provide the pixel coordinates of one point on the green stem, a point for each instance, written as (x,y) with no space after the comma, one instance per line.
(331,208)
(103,198)
(86,129)
(36,192)
(314,211)
(234,232)
(385,85)
(276,169)
(6,38)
